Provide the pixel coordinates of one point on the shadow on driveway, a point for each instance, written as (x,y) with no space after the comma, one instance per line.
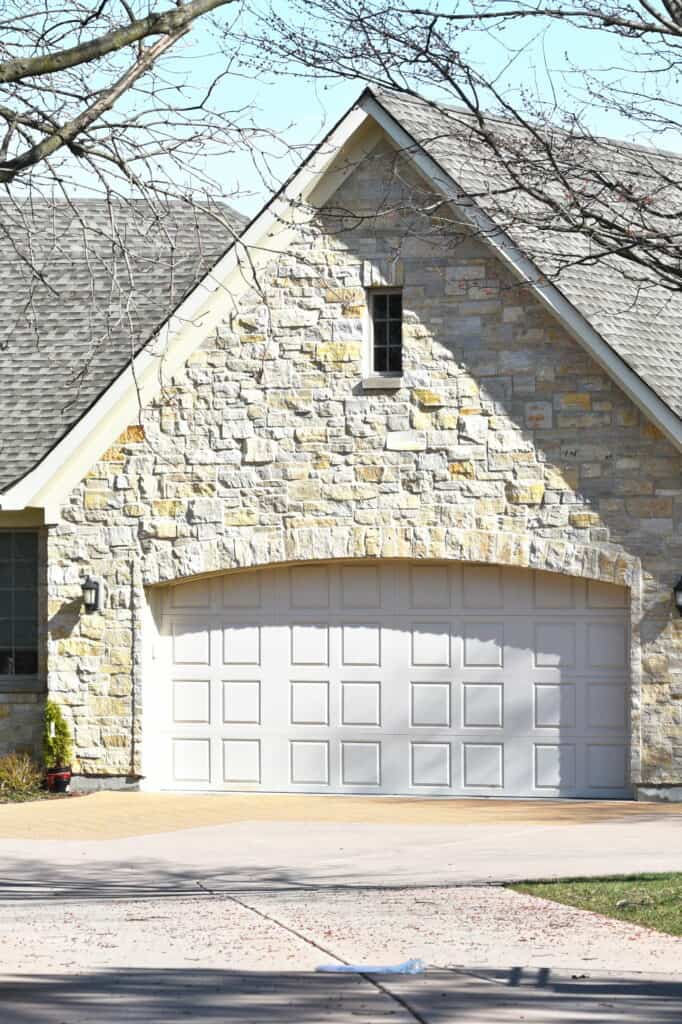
(36,880)
(438,997)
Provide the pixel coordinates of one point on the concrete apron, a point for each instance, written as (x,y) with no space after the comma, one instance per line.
(275,844)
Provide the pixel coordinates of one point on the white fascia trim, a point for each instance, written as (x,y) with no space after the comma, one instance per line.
(187,323)
(550,296)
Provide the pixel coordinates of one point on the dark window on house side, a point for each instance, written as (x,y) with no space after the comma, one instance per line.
(387,331)
(18,603)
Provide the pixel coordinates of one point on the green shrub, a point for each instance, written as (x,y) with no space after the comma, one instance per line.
(57,745)
(20,777)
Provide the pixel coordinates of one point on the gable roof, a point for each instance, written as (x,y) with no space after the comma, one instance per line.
(63,463)
(83,285)
(640,320)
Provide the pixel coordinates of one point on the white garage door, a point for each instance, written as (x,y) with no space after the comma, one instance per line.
(423,679)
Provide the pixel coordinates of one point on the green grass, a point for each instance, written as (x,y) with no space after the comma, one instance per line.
(654,901)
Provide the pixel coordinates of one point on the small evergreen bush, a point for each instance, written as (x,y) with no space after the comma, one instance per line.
(20,777)
(57,744)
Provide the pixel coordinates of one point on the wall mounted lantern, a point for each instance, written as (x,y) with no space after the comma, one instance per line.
(92,594)
(677,594)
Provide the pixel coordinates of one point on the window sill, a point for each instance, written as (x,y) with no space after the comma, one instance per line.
(382,382)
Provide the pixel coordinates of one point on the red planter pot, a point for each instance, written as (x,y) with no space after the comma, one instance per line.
(58,779)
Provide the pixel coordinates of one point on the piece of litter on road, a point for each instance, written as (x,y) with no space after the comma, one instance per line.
(407,967)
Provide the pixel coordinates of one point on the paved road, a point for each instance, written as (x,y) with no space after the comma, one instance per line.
(438,997)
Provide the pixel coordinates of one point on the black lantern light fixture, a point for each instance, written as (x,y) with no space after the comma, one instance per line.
(677,594)
(91,594)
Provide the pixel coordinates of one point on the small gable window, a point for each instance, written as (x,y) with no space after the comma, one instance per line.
(18,603)
(386,311)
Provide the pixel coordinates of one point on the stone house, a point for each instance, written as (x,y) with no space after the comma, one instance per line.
(379,506)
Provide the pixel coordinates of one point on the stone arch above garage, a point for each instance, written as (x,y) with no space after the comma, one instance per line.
(523,550)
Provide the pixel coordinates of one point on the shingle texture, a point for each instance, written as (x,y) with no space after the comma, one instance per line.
(83,286)
(638,318)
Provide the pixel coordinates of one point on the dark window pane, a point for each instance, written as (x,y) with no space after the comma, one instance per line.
(25,574)
(395,332)
(26,663)
(6,662)
(5,545)
(26,546)
(25,633)
(395,360)
(379,305)
(6,606)
(5,633)
(380,360)
(5,574)
(395,305)
(25,603)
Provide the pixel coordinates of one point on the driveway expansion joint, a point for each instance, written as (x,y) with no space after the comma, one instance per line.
(370,978)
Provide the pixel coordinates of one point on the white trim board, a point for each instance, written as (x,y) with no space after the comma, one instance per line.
(214,297)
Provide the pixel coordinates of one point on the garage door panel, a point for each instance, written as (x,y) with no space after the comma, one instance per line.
(554,705)
(430,587)
(429,679)
(241,702)
(482,587)
(555,767)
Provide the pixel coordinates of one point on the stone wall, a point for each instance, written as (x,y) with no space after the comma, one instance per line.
(506,443)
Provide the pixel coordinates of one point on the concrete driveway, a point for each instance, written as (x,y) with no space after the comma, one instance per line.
(228,921)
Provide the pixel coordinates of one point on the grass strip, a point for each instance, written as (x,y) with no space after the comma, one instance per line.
(651,900)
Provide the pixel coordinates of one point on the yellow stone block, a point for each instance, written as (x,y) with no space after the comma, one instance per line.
(80,648)
(530,492)
(338,351)
(134,510)
(652,432)
(92,627)
(106,706)
(96,500)
(369,474)
(112,455)
(583,520)
(240,517)
(463,469)
(427,398)
(167,507)
(132,435)
(576,400)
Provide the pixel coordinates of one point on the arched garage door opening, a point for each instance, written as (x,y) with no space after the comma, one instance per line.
(425,679)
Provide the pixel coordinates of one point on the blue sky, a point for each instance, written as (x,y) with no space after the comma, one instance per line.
(301,111)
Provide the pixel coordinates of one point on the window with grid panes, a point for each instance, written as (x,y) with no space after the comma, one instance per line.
(387,331)
(18,603)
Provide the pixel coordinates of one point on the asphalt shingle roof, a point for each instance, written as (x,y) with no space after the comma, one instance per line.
(82,288)
(640,320)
